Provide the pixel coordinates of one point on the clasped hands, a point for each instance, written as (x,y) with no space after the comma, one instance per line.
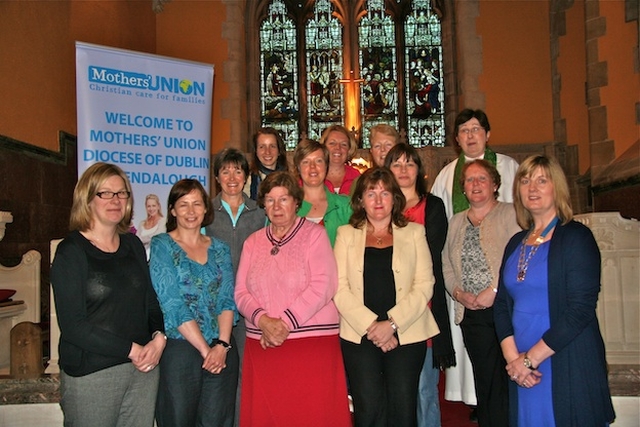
(476,302)
(382,335)
(274,331)
(522,375)
(215,359)
(146,358)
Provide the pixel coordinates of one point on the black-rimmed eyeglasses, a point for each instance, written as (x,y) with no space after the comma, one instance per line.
(108,195)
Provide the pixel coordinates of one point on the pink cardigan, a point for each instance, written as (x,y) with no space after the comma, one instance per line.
(296,285)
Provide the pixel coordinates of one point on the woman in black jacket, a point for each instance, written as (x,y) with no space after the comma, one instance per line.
(428,210)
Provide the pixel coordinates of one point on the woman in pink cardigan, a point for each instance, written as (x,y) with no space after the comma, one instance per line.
(292,373)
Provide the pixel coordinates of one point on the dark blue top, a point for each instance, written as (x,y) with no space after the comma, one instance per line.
(581,394)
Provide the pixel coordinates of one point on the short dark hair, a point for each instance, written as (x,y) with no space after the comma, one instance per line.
(369,179)
(281,164)
(230,156)
(491,170)
(468,114)
(280,179)
(409,153)
(181,189)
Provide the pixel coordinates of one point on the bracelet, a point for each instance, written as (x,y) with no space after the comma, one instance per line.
(393,325)
(495,290)
(156,333)
(224,344)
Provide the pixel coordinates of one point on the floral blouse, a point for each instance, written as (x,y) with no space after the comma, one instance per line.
(188,290)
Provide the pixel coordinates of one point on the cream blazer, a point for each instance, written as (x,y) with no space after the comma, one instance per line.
(414,280)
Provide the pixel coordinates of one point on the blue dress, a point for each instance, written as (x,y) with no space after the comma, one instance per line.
(530,321)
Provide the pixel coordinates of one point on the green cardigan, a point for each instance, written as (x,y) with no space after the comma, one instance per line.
(337,214)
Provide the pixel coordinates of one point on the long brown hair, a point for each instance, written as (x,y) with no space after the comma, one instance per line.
(182,188)
(281,163)
(368,180)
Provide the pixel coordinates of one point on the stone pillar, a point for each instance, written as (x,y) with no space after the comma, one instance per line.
(602,148)
(234,72)
(469,55)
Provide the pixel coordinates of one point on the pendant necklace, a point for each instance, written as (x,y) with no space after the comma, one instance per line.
(523,264)
(378,239)
(277,244)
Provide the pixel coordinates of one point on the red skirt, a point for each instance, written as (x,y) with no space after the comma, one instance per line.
(299,384)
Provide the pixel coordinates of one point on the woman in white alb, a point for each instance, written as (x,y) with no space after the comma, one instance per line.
(472,132)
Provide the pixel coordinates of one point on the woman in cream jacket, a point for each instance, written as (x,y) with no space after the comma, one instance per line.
(385,281)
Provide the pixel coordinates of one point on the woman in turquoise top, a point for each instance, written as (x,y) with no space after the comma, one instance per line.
(311,161)
(193,277)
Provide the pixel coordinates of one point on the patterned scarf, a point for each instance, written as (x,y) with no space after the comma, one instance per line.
(460,202)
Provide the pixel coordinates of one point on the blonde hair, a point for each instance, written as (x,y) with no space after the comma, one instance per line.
(561,196)
(384,129)
(353,147)
(86,190)
(157,199)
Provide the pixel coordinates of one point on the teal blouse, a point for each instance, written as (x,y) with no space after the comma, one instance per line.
(188,290)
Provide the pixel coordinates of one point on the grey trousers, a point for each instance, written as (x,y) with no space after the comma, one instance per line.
(120,396)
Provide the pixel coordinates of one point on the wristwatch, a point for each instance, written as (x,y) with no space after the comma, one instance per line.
(224,344)
(527,362)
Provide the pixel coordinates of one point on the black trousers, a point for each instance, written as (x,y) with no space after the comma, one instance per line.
(189,396)
(384,386)
(490,376)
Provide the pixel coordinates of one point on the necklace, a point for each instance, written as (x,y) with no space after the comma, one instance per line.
(523,264)
(476,218)
(277,244)
(379,240)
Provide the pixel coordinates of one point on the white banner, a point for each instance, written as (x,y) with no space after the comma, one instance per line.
(150,115)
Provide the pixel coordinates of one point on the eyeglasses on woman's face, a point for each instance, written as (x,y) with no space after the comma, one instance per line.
(108,195)
(473,131)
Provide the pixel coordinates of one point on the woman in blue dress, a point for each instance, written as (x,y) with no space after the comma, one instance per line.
(545,310)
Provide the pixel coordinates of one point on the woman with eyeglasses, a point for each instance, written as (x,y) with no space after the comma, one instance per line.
(472,130)
(111,326)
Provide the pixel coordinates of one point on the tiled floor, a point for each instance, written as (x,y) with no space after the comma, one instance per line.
(624,381)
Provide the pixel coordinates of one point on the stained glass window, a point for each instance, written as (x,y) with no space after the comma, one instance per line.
(399,63)
(423,76)
(379,91)
(279,73)
(324,69)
